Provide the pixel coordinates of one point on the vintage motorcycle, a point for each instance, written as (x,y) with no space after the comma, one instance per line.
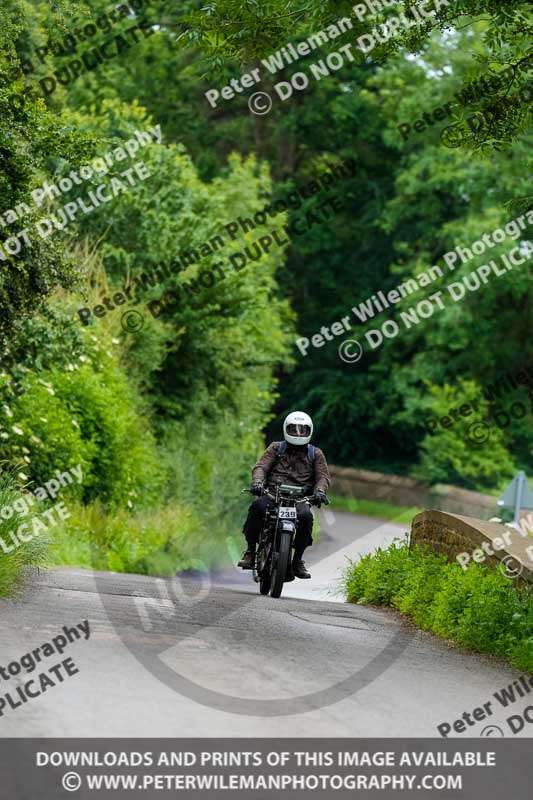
(273,555)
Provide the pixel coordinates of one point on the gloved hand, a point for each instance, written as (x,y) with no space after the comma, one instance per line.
(321,498)
(257,488)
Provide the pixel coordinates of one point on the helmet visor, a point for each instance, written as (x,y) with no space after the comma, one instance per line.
(295,429)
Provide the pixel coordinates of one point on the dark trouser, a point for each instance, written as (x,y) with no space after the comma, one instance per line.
(256,517)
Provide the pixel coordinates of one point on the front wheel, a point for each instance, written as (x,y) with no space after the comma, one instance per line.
(280,570)
(262,573)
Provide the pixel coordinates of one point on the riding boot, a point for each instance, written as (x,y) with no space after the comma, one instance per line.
(299,570)
(298,566)
(248,559)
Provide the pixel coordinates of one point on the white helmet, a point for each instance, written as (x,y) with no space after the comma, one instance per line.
(298,428)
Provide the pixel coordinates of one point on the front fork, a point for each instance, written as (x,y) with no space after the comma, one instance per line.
(287,526)
(264,549)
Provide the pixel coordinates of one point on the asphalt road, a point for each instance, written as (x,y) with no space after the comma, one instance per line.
(211,657)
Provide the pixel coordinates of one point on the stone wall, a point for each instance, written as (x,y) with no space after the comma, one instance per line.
(400,491)
(451,534)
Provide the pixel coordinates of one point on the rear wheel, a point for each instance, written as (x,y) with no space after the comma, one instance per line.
(264,585)
(280,569)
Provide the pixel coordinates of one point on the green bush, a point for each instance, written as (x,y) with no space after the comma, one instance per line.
(125,463)
(451,454)
(31,553)
(422,581)
(377,578)
(40,435)
(478,607)
(89,417)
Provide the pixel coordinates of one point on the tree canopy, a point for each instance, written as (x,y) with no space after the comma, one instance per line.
(379,170)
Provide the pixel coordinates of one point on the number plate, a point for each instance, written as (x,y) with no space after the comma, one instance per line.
(286,512)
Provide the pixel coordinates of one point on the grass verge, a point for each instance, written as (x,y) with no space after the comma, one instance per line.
(479,608)
(374,508)
(159,541)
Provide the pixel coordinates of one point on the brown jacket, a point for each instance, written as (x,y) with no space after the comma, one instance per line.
(294,467)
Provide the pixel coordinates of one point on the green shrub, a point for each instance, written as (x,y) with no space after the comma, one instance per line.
(31,553)
(209,464)
(84,417)
(447,454)
(40,435)
(377,577)
(478,607)
(125,462)
(422,581)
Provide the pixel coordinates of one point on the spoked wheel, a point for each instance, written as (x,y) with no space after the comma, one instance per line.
(264,585)
(280,568)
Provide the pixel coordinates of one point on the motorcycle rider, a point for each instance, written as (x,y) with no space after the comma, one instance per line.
(293,462)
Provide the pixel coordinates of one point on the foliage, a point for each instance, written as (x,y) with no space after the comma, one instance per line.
(479,607)
(230,30)
(31,141)
(411,201)
(85,413)
(454,453)
(173,414)
(156,542)
(32,553)
(414,201)
(169,418)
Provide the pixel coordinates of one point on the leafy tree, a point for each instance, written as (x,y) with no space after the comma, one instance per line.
(243,32)
(472,449)
(31,141)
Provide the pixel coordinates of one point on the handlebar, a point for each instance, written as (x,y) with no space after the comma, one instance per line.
(312,499)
